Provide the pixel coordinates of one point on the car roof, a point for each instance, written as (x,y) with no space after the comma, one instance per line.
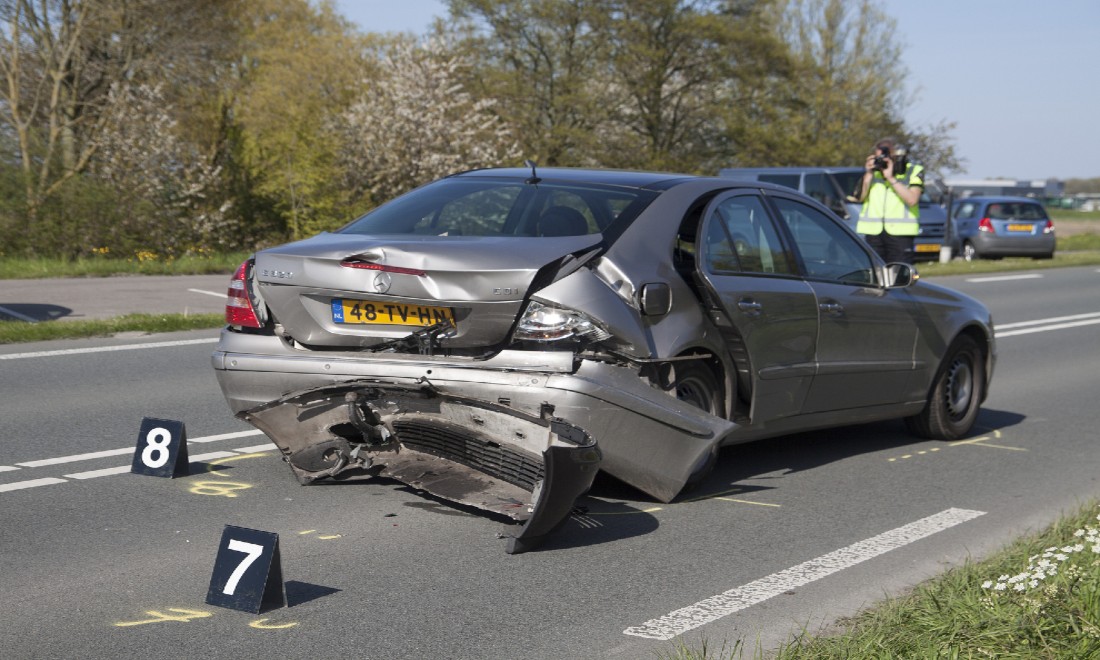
(786,170)
(626,178)
(998,198)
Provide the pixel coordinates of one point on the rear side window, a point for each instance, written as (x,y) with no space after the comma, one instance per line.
(741,239)
(965,210)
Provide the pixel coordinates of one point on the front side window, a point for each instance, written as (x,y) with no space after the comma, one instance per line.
(741,239)
(828,252)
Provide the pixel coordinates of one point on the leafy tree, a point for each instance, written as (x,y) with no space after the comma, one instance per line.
(417,122)
(59,59)
(299,66)
(677,65)
(547,67)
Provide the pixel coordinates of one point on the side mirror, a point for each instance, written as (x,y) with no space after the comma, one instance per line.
(656,298)
(899,275)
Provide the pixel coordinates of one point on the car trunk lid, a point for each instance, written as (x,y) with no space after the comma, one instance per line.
(343,290)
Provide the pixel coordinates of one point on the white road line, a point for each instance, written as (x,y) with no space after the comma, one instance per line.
(209,293)
(14,314)
(1056,319)
(125,450)
(225,436)
(7,468)
(1060,326)
(728,602)
(1005,278)
(76,457)
(19,485)
(106,349)
(105,472)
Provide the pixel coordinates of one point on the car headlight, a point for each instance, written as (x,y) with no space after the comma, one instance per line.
(544,323)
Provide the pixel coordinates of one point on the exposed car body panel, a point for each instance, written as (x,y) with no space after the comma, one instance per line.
(636,337)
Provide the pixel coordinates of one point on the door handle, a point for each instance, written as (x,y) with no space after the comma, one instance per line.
(832,308)
(750,306)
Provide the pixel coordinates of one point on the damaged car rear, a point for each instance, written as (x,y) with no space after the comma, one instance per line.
(497,337)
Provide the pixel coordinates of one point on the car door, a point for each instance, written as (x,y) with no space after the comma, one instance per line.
(766,313)
(867,332)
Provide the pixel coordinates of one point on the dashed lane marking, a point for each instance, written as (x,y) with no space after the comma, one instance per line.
(106,349)
(1005,278)
(209,293)
(32,483)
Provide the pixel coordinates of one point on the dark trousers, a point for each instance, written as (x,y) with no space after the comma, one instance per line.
(892,248)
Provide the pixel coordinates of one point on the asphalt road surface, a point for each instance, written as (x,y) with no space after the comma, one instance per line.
(787,534)
(80,298)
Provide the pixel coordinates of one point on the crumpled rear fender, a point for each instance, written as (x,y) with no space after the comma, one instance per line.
(475,452)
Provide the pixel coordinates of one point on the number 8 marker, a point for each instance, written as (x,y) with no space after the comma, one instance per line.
(158,441)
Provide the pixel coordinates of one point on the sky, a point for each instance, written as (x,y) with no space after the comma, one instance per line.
(1021,79)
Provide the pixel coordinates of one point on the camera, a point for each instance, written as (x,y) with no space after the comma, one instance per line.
(880,159)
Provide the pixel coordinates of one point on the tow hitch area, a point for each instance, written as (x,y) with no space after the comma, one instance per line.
(483,454)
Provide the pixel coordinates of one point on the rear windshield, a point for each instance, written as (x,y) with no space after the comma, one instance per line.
(1015,211)
(470,206)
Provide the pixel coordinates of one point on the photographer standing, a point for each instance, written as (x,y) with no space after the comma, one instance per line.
(890,194)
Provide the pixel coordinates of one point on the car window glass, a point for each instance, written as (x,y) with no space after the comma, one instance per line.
(828,251)
(741,238)
(482,213)
(965,210)
(501,207)
(788,180)
(820,188)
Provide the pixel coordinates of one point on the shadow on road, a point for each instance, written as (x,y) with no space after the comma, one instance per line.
(32,312)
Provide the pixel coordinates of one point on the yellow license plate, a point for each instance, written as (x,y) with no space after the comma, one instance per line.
(927,247)
(388,313)
(1026,228)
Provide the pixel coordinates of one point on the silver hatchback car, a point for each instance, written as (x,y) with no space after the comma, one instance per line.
(497,337)
(995,227)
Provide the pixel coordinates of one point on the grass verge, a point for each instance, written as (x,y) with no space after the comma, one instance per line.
(20,268)
(19,331)
(1038,598)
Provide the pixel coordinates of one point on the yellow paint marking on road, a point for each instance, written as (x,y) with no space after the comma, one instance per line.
(160,617)
(218,488)
(980,442)
(308,531)
(730,499)
(329,537)
(259,624)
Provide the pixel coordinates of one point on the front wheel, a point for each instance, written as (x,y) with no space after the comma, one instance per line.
(956,394)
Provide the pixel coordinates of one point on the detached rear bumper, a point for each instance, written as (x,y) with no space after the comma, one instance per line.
(530,469)
(644,437)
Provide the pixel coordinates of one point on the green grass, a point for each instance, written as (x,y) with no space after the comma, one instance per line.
(18,331)
(1067,214)
(145,263)
(963,614)
(1090,257)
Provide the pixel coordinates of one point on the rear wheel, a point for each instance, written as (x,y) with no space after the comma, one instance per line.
(956,394)
(696,385)
(969,252)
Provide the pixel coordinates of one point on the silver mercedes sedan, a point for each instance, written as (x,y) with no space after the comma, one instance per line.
(498,336)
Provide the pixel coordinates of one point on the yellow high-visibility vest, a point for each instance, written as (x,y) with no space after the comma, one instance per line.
(883,209)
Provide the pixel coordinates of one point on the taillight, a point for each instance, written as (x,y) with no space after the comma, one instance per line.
(1048,228)
(368,265)
(238,304)
(986,225)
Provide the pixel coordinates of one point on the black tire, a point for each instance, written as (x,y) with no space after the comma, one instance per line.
(969,252)
(956,394)
(696,385)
